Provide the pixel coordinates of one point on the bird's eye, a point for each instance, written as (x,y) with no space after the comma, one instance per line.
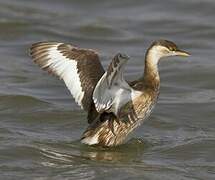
(171,48)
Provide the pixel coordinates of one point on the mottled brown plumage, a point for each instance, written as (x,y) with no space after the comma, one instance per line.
(134,113)
(115,107)
(131,115)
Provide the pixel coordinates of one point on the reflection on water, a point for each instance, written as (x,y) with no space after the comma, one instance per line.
(40,123)
(131,151)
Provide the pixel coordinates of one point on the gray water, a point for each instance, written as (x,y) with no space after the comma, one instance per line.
(40,124)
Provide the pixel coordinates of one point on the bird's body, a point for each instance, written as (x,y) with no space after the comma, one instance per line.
(132,115)
(115,107)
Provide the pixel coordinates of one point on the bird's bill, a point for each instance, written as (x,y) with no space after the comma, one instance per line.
(181,53)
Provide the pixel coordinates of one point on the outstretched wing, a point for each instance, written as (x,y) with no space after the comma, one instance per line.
(80,69)
(112,91)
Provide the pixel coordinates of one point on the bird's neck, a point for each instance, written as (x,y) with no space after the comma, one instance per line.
(151,74)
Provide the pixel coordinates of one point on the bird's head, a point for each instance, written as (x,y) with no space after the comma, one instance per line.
(164,48)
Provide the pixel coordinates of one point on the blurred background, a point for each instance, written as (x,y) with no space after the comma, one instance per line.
(40,124)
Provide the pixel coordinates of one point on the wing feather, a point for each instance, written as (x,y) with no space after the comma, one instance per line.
(112,91)
(80,69)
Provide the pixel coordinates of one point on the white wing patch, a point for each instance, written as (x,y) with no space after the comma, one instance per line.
(113,98)
(112,91)
(67,70)
(102,96)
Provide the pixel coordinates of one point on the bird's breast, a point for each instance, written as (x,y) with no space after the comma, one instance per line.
(140,106)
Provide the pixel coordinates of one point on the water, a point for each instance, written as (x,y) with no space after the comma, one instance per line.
(40,124)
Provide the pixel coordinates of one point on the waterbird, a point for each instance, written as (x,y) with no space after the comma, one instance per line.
(114,106)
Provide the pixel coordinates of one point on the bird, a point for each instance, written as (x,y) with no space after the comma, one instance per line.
(114,106)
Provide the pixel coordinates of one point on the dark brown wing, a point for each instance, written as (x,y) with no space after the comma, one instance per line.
(80,69)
